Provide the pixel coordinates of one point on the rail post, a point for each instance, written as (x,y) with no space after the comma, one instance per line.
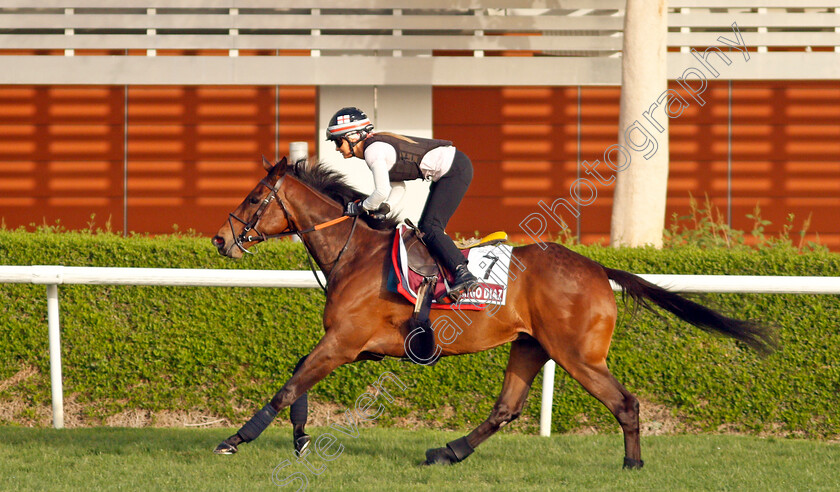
(547,398)
(55,356)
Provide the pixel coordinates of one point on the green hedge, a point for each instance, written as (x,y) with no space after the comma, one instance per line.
(225,351)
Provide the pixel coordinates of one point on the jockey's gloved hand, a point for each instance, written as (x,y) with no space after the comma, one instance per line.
(381,212)
(354,208)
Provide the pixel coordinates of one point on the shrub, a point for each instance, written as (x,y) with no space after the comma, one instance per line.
(227,350)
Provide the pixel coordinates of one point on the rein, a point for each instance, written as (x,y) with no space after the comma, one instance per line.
(250,225)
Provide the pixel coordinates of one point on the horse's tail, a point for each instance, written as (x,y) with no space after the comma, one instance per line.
(640,290)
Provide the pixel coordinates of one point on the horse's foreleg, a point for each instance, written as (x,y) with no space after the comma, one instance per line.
(526,359)
(327,356)
(298,413)
(299,410)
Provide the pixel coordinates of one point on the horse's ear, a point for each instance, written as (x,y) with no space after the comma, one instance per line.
(282,165)
(267,165)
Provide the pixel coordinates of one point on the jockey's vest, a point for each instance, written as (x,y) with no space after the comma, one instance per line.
(409,153)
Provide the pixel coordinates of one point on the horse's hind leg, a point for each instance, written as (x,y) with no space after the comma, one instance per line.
(526,359)
(592,373)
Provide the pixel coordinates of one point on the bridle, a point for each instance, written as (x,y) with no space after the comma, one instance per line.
(291,229)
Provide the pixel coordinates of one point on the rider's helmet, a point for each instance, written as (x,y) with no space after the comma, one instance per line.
(349,122)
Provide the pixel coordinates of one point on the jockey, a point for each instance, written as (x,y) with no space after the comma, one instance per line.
(394,159)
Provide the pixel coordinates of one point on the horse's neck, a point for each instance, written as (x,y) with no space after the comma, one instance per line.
(326,244)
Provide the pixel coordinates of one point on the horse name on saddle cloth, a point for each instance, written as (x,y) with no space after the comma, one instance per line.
(489,262)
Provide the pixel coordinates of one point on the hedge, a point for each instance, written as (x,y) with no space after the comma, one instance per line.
(225,351)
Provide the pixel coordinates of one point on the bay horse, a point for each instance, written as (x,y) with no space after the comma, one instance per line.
(561,307)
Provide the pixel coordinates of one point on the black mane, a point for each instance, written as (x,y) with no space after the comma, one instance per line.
(333,184)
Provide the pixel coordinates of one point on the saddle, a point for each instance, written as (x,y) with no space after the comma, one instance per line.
(421,262)
(420,345)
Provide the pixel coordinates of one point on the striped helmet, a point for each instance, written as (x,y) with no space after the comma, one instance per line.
(348,120)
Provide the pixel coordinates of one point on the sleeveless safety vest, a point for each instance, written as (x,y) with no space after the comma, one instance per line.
(409,154)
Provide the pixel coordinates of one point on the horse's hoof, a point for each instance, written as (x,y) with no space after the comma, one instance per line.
(302,444)
(440,456)
(225,448)
(630,464)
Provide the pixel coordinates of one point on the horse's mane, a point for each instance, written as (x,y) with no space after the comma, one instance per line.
(334,185)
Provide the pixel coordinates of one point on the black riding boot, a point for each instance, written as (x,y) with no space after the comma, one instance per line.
(464,283)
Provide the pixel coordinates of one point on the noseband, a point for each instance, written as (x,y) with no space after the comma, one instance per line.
(244,237)
(251,225)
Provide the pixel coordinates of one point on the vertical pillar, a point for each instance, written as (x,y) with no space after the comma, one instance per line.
(685,11)
(151,32)
(298,151)
(405,110)
(315,32)
(69,32)
(397,32)
(233,32)
(478,33)
(638,215)
(762,12)
(125,161)
(837,30)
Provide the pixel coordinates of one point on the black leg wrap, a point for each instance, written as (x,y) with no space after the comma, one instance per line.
(299,410)
(631,464)
(460,448)
(258,423)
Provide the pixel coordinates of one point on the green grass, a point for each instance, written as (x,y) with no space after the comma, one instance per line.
(386,459)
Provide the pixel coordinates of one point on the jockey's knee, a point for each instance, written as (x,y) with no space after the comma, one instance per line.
(429,229)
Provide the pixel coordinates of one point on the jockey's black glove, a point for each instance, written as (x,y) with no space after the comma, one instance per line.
(381,212)
(354,208)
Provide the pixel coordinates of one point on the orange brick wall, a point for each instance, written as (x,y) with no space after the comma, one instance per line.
(61,155)
(190,153)
(523,142)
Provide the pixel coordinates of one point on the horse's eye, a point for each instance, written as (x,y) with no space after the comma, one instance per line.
(254,200)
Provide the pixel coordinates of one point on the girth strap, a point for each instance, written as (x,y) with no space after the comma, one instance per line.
(420,343)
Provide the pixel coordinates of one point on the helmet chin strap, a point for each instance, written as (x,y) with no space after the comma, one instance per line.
(362,137)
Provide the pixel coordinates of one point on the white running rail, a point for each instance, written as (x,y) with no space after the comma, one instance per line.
(53,276)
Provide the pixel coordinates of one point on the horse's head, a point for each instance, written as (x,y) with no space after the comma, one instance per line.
(260,214)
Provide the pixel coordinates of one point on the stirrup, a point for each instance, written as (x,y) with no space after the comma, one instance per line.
(465,282)
(465,288)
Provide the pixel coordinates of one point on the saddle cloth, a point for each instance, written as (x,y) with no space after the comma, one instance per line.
(489,261)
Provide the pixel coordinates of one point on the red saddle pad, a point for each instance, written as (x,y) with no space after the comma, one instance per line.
(408,281)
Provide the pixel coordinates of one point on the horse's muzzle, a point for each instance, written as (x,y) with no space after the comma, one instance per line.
(223,248)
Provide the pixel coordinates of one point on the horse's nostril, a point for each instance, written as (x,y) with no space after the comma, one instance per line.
(218,241)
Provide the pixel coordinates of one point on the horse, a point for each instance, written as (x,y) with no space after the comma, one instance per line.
(560,306)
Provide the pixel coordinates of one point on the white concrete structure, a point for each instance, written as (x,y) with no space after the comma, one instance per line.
(386,44)
(638,212)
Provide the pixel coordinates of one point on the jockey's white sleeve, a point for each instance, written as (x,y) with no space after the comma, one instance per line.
(379,157)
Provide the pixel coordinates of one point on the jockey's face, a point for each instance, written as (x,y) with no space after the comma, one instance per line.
(343,147)
(348,146)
